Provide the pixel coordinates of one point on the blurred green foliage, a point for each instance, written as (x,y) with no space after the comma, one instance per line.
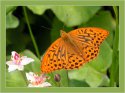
(46,23)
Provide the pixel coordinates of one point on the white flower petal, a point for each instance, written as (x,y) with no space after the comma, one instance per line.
(30,76)
(20,67)
(31,85)
(10,63)
(13,53)
(45,84)
(12,67)
(26,60)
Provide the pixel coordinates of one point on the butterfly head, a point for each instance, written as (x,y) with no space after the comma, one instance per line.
(63,34)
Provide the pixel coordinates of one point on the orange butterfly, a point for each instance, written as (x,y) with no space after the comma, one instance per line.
(73,49)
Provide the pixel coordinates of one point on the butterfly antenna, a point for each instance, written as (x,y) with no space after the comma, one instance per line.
(46,27)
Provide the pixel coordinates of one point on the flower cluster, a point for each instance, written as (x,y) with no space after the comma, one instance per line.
(37,81)
(17,62)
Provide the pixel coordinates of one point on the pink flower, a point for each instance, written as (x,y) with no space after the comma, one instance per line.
(18,62)
(37,81)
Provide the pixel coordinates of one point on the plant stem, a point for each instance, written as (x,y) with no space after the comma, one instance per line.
(23,74)
(115,61)
(31,34)
(67,77)
(58,84)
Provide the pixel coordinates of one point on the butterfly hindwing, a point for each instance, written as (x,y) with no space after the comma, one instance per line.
(89,53)
(74,59)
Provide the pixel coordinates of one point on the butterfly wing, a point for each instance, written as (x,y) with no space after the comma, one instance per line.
(90,36)
(55,57)
(73,59)
(88,41)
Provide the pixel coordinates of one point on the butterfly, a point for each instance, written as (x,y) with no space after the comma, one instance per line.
(73,49)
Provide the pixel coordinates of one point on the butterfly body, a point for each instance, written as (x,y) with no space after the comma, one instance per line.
(73,49)
(68,40)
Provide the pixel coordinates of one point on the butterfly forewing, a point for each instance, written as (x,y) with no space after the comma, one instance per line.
(89,36)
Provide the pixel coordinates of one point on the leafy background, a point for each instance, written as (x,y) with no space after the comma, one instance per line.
(43,24)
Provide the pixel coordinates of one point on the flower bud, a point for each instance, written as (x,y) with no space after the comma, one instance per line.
(57,78)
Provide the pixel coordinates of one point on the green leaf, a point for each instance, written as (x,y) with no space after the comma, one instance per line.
(10,9)
(38,9)
(94,78)
(15,79)
(69,15)
(77,83)
(90,75)
(74,15)
(11,21)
